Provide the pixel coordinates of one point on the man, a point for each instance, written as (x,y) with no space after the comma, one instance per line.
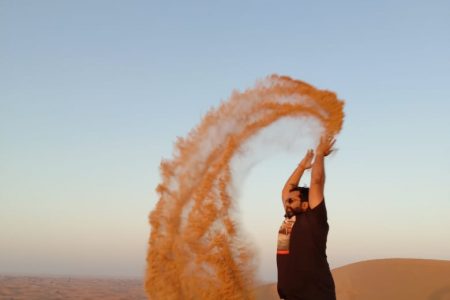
(303,270)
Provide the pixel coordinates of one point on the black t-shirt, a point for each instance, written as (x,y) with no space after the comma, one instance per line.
(303,270)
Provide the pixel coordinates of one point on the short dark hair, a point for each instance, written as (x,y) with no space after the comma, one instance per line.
(304,193)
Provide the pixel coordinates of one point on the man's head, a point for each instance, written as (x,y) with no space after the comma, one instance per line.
(297,201)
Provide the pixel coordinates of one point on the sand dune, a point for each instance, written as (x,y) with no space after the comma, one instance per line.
(395,279)
(386,279)
(381,279)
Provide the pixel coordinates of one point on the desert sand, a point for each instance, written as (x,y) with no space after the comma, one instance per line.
(381,279)
(386,279)
(53,288)
(396,279)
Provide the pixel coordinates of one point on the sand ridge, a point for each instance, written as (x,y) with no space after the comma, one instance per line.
(396,279)
(386,279)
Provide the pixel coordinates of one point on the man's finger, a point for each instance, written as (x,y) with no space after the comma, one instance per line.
(332,143)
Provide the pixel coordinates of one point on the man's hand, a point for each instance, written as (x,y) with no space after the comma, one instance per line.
(325,146)
(306,162)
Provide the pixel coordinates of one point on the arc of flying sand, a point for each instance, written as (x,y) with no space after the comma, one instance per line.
(220,171)
(174,247)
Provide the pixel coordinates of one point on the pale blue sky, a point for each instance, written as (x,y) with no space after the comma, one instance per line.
(94,93)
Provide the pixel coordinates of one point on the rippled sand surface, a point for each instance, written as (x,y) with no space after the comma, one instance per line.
(52,288)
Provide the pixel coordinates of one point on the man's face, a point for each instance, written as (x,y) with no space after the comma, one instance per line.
(292,204)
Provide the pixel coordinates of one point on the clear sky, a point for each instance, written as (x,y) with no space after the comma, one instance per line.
(94,93)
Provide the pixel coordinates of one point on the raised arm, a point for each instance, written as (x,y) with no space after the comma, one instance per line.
(317,185)
(294,179)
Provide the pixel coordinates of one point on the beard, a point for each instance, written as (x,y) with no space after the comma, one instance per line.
(289,213)
(292,211)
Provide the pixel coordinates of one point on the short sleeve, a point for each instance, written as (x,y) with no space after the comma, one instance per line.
(319,212)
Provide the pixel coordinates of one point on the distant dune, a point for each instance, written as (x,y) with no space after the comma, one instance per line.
(386,279)
(396,279)
(381,279)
